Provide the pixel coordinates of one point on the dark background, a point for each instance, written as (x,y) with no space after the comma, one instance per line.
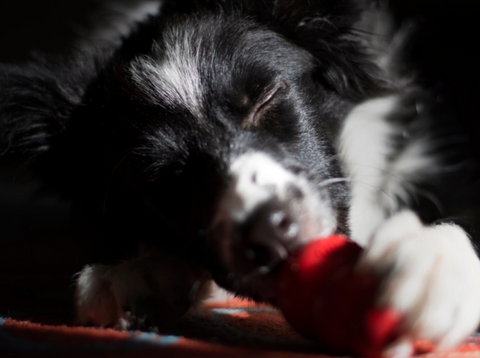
(33,227)
(34,231)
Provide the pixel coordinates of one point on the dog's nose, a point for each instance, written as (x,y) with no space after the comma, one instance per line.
(267,234)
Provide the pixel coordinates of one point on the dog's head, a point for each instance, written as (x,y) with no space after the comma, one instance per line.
(218,118)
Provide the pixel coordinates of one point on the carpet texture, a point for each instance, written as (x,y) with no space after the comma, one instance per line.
(233,328)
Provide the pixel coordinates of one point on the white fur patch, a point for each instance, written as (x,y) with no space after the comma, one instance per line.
(377,181)
(172,72)
(364,147)
(256,179)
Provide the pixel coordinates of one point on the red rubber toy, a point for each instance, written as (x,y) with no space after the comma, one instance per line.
(323,298)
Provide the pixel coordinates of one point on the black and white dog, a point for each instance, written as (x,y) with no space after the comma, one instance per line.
(205,139)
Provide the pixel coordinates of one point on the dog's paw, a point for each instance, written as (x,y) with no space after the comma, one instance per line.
(148,292)
(94,298)
(431,275)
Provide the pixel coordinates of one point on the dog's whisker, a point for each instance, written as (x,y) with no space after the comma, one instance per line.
(342,180)
(331,181)
(409,186)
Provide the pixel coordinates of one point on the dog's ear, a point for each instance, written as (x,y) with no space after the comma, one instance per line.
(336,33)
(36,102)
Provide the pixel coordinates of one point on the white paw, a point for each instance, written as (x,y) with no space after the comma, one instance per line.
(94,298)
(431,275)
(103,294)
(146,292)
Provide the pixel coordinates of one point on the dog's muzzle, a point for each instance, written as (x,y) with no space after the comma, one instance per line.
(266,212)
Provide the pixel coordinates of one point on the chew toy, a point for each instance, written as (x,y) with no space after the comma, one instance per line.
(323,298)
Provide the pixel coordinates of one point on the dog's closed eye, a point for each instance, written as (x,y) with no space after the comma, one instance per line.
(265,102)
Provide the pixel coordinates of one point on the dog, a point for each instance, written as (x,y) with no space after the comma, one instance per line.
(202,141)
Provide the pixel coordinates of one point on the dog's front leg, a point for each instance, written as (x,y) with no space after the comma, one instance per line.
(431,274)
(153,290)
